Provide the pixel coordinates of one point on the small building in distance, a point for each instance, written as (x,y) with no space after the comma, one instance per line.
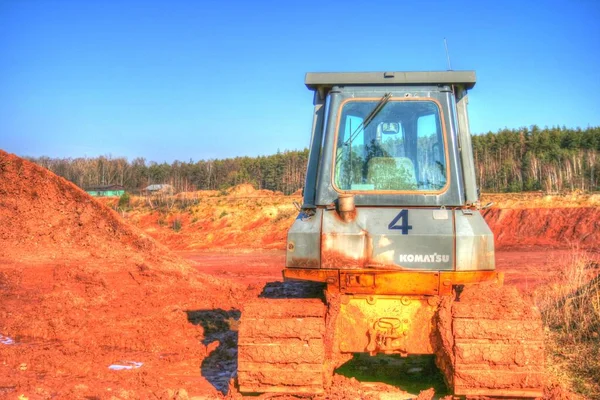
(159,188)
(106,190)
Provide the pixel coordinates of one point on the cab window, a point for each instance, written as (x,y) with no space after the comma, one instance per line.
(400,149)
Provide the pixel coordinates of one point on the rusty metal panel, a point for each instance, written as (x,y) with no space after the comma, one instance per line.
(343,244)
(304,241)
(389,282)
(419,239)
(386,282)
(391,325)
(474,242)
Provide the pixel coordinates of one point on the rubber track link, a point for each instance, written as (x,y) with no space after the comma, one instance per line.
(493,345)
(281,347)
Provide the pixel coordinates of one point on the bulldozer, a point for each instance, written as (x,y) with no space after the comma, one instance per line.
(391,225)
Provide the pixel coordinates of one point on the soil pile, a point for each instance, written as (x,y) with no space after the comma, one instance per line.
(534,219)
(244,219)
(217,222)
(43,217)
(247,190)
(547,227)
(81,290)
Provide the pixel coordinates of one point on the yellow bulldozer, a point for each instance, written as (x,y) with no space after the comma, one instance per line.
(391,226)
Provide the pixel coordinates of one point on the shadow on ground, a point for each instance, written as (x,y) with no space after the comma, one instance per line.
(222,326)
(411,374)
(293,290)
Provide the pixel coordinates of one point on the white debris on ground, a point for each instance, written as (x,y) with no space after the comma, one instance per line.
(125,365)
(6,340)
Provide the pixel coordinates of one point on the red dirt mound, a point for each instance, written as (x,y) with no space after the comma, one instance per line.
(217,222)
(548,227)
(80,290)
(43,217)
(209,222)
(247,190)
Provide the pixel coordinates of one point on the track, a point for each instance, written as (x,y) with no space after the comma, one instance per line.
(281,347)
(492,344)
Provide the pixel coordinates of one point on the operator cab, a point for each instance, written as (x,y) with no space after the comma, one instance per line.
(390,182)
(391,138)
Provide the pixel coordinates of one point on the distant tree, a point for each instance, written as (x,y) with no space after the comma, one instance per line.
(550,159)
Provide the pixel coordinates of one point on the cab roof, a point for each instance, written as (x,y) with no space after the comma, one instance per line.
(326,80)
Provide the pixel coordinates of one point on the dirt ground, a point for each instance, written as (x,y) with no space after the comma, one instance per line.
(145,303)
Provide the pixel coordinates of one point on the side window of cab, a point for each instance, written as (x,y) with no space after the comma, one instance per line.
(431,160)
(351,152)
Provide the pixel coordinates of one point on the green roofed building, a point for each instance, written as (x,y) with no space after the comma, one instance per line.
(106,190)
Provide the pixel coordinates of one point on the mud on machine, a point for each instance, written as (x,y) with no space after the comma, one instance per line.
(391,224)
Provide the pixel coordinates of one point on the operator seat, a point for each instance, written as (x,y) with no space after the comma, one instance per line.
(392,173)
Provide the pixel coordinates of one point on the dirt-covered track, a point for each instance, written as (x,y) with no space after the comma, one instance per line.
(281,347)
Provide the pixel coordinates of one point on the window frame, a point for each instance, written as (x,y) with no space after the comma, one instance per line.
(399,99)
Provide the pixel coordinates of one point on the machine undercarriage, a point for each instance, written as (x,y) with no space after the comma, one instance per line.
(486,340)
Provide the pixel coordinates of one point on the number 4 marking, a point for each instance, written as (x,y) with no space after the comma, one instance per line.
(403,219)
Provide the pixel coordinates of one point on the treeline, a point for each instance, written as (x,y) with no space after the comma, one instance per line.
(550,159)
(281,172)
(510,160)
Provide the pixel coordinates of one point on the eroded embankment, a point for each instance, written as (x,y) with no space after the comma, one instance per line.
(547,227)
(535,219)
(260,219)
(242,217)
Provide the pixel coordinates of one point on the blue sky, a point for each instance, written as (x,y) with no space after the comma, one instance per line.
(184,80)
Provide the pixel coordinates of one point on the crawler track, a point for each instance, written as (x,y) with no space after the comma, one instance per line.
(492,344)
(281,346)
